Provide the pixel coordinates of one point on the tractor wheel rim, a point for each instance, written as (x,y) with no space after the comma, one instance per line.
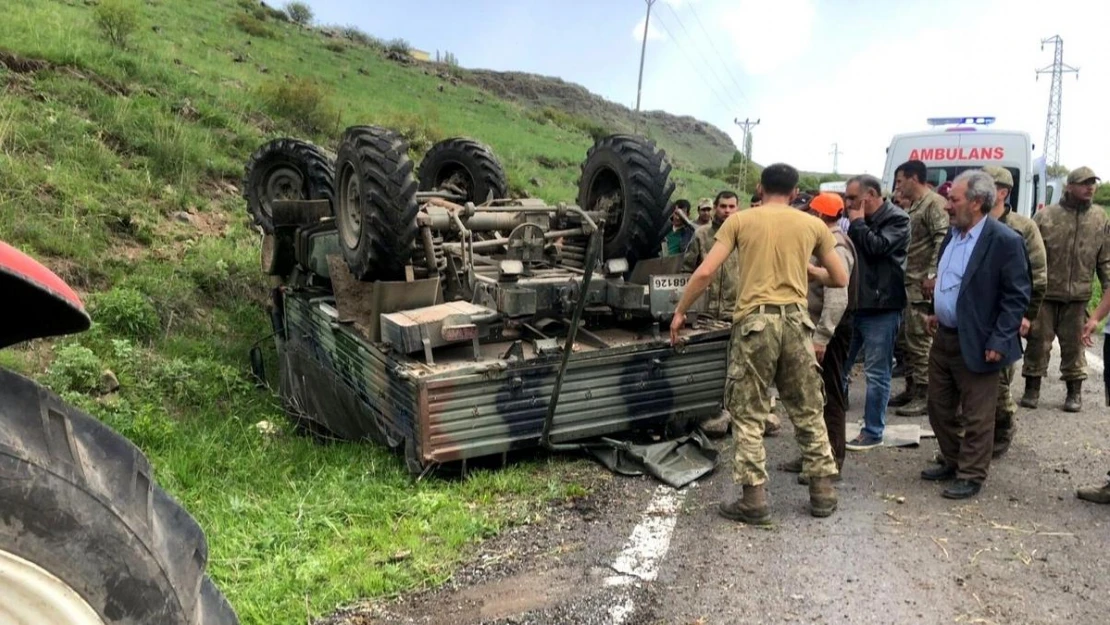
(31,594)
(350,212)
(282,183)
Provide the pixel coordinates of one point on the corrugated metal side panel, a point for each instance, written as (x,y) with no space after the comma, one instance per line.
(392,398)
(478,415)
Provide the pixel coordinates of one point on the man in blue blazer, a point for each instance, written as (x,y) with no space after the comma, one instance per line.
(982,290)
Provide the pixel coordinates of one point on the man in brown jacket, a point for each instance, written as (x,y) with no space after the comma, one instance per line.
(928,227)
(1076,237)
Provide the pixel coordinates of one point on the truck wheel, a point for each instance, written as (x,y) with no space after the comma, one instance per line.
(86,537)
(466,164)
(286,169)
(375,210)
(627,178)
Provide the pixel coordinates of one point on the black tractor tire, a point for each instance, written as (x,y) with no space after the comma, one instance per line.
(286,169)
(79,501)
(375,208)
(469,165)
(628,178)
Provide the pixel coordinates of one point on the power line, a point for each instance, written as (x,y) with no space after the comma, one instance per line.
(719,55)
(1051,148)
(747,125)
(697,49)
(693,65)
(643,51)
(836,152)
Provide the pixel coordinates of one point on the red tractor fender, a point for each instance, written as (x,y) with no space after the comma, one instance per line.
(34,301)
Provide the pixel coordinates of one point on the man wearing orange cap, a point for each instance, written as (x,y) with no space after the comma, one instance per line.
(830,309)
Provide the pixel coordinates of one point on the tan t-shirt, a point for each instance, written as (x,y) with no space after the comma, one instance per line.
(775,242)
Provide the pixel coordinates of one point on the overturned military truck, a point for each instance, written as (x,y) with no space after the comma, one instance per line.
(428,311)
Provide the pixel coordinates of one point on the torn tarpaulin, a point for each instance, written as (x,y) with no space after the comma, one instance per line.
(675,462)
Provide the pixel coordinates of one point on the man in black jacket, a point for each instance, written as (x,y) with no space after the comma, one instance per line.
(881,233)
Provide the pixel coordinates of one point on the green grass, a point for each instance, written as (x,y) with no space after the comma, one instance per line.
(97,154)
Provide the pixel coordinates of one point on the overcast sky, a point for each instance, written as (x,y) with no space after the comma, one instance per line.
(814,72)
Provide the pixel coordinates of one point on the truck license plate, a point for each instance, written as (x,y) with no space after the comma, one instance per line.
(669,282)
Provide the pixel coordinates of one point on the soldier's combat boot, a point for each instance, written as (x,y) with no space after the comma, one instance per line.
(905,397)
(1095,494)
(919,405)
(752,508)
(717,427)
(1074,401)
(1032,392)
(822,496)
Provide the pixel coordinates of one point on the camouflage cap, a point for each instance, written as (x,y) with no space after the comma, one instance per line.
(705,203)
(1001,175)
(1080,175)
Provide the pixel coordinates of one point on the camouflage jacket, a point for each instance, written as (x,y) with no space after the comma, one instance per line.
(1077,245)
(827,305)
(723,291)
(1034,248)
(928,227)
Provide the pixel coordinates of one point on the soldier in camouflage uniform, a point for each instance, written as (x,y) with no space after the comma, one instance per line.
(772,338)
(928,227)
(1038,269)
(721,298)
(1077,245)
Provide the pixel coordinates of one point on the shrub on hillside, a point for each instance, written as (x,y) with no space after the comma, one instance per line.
(252,26)
(355,34)
(399,46)
(421,130)
(302,102)
(75,368)
(117,20)
(299,13)
(126,312)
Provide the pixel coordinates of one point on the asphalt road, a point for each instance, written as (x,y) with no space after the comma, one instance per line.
(1024,551)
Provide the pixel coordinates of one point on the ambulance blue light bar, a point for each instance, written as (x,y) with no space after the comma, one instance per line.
(975,121)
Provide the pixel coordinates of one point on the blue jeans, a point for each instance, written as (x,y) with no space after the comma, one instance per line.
(875,333)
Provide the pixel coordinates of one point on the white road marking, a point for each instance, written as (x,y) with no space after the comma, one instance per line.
(644,549)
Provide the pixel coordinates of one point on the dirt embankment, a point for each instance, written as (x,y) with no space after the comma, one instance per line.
(544,91)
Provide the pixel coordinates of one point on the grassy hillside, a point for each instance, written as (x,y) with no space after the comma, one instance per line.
(120,169)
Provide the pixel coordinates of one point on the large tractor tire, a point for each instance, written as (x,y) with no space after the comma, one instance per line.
(466,164)
(86,536)
(375,208)
(627,177)
(286,169)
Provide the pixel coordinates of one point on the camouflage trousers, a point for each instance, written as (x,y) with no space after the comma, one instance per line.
(915,341)
(1064,321)
(1006,408)
(774,344)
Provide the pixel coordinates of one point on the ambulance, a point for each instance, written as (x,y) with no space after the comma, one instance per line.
(966,143)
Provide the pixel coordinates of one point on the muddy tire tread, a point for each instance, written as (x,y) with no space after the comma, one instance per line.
(389,208)
(45,442)
(317,166)
(479,160)
(647,195)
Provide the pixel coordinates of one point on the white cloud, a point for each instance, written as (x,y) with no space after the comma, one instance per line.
(757,40)
(653,34)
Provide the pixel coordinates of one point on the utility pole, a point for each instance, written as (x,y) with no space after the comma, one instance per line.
(1055,98)
(747,125)
(643,50)
(836,157)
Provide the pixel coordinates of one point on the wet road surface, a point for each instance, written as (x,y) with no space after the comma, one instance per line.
(1025,551)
